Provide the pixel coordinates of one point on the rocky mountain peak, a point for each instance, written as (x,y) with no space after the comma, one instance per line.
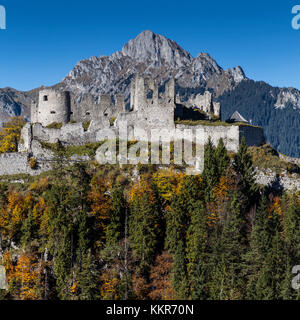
(157,48)
(237,73)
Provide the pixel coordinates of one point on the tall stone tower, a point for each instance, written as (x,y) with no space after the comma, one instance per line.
(138,97)
(53,106)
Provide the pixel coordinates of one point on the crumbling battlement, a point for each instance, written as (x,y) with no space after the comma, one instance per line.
(151,108)
(148,106)
(203,103)
(55,106)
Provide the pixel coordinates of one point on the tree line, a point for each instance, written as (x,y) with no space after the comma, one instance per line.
(87,232)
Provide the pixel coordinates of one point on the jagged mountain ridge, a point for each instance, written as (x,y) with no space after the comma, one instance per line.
(149,55)
(158,57)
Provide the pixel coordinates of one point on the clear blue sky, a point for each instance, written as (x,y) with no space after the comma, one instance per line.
(45,39)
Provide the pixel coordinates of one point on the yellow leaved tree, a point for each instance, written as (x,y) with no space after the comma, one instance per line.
(10,134)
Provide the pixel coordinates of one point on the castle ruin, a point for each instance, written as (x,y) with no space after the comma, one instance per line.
(151,107)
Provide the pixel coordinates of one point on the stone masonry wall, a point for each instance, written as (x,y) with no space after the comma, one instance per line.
(53,106)
(17,163)
(230,134)
(254,135)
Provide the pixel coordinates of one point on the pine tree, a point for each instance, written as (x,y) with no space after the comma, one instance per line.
(244,168)
(228,249)
(144,230)
(196,253)
(260,244)
(222,158)
(179,273)
(210,173)
(115,229)
(88,278)
(176,223)
(27,230)
(61,241)
(291,227)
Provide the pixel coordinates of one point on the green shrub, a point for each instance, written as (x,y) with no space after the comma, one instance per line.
(55,125)
(86,125)
(112,121)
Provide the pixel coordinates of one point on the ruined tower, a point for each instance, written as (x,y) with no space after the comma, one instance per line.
(53,106)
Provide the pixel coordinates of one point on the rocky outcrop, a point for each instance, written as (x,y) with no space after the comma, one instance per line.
(13,103)
(282,181)
(288,96)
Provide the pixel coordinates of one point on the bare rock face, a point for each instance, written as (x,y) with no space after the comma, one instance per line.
(288,96)
(237,74)
(13,103)
(157,49)
(149,55)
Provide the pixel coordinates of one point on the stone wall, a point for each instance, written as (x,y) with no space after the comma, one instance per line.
(53,106)
(18,163)
(229,134)
(148,108)
(74,134)
(3,282)
(203,102)
(254,135)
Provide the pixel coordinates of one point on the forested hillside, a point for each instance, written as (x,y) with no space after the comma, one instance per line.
(256,102)
(87,232)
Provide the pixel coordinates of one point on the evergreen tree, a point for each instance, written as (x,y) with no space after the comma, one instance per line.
(244,168)
(176,223)
(273,271)
(88,278)
(260,244)
(196,253)
(210,173)
(144,229)
(222,158)
(291,227)
(179,273)
(115,229)
(227,280)
(27,230)
(64,207)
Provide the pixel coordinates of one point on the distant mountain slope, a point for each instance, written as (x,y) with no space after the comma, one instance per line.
(13,103)
(277,110)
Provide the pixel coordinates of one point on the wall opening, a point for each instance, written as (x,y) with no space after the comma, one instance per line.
(150,94)
(53,112)
(45,98)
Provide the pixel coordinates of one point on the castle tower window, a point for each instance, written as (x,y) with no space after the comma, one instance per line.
(150,94)
(53,112)
(45,98)
(88,113)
